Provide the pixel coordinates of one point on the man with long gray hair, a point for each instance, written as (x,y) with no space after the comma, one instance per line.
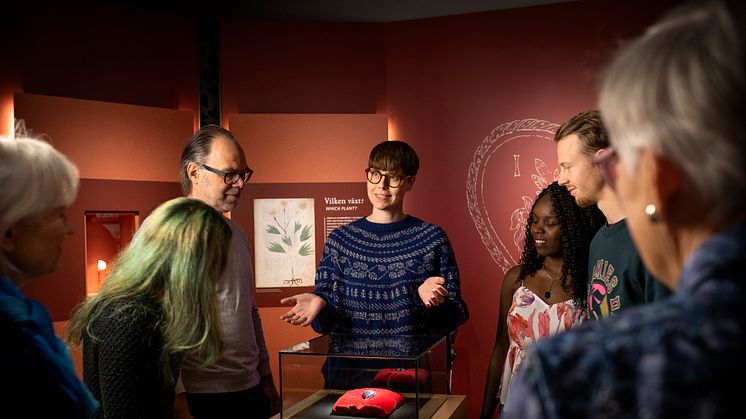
(239,384)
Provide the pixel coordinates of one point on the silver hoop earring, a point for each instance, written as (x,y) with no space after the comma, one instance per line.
(650,210)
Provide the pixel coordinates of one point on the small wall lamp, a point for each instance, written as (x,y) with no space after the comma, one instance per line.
(101,267)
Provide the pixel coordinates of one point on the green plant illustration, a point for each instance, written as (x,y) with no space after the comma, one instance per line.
(293,239)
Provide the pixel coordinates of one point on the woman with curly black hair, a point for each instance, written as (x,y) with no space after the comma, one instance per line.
(546,293)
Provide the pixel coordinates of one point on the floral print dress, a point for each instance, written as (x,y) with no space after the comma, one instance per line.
(529,319)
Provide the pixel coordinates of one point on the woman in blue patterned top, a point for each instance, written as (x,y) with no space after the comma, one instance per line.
(388,273)
(674,102)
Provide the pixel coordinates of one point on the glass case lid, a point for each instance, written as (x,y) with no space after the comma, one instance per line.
(371,346)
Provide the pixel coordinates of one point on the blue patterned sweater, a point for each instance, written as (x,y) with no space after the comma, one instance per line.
(369,273)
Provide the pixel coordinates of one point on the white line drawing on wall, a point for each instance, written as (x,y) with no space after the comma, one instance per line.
(518,130)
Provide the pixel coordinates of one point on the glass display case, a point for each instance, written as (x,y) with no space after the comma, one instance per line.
(314,375)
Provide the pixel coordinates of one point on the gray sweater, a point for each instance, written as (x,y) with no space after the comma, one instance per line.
(244,359)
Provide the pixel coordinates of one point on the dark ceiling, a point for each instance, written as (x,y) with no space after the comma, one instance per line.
(335,10)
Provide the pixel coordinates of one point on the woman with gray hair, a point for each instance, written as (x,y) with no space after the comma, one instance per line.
(38,377)
(674,102)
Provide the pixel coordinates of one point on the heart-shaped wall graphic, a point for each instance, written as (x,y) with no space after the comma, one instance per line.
(509,168)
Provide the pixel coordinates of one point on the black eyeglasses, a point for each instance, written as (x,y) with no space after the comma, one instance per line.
(232,178)
(393,180)
(605,163)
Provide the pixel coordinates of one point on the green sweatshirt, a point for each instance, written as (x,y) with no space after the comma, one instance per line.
(617,277)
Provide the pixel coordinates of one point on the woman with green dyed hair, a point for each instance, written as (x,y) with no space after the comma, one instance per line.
(156,305)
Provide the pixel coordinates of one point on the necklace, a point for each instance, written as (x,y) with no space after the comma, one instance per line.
(548,293)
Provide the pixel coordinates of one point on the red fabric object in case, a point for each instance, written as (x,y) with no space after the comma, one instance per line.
(376,402)
(397,377)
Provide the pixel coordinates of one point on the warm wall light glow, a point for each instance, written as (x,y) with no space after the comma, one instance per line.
(392,131)
(101,265)
(7,121)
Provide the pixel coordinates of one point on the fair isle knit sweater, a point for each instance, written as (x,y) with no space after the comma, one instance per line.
(369,274)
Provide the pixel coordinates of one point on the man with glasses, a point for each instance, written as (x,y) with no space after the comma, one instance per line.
(239,383)
(617,278)
(388,273)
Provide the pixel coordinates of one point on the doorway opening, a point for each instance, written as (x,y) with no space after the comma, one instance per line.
(106,234)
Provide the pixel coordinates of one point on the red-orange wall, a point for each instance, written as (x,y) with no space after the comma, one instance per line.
(302,67)
(97,52)
(110,140)
(64,289)
(103,50)
(100,245)
(451,81)
(444,83)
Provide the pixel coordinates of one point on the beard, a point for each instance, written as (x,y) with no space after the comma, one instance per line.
(225,206)
(584,202)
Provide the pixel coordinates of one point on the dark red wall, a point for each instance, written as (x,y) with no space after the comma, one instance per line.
(100,50)
(302,67)
(64,289)
(451,81)
(445,83)
(103,51)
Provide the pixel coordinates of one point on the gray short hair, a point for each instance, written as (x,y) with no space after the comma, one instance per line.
(196,150)
(680,89)
(34,177)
